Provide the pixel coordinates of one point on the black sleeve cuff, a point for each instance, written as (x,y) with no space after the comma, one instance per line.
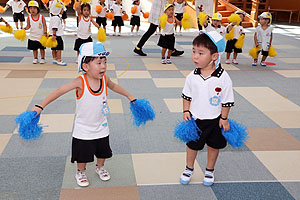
(229,104)
(186,97)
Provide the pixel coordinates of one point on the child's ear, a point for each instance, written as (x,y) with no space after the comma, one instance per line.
(215,56)
(85,67)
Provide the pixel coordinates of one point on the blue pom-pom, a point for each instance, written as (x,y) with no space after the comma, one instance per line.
(29,129)
(141,111)
(237,135)
(187,131)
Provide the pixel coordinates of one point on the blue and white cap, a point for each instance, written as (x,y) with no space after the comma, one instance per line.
(219,41)
(94,49)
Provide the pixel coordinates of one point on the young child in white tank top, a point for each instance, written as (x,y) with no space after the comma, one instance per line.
(36,23)
(90,132)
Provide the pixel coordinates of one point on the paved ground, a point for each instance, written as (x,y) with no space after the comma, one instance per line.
(147,161)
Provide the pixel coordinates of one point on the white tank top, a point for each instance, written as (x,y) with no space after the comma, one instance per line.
(36,28)
(169,29)
(84,27)
(90,123)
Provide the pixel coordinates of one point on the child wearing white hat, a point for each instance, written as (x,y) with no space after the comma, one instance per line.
(215,25)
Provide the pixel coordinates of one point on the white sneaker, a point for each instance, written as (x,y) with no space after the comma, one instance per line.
(114,34)
(42,61)
(137,34)
(81,179)
(227,62)
(61,63)
(35,61)
(234,61)
(103,174)
(208,178)
(131,33)
(54,61)
(186,176)
(119,34)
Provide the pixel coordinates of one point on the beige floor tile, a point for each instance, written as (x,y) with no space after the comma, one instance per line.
(111,67)
(271,139)
(115,105)
(174,105)
(3,73)
(185,72)
(169,82)
(284,165)
(62,74)
(187,46)
(30,66)
(57,122)
(266,99)
(148,43)
(284,46)
(4,139)
(229,67)
(133,74)
(162,168)
(160,67)
(26,74)
(246,54)
(17,92)
(151,60)
(285,119)
(290,60)
(289,73)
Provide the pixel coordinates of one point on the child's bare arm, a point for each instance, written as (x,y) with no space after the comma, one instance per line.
(271,39)
(28,24)
(186,110)
(95,23)
(76,83)
(78,10)
(223,123)
(44,25)
(255,39)
(118,89)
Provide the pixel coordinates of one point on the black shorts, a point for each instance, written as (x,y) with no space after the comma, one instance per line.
(60,44)
(118,21)
(135,21)
(83,151)
(167,41)
(264,53)
(179,16)
(79,42)
(211,135)
(19,16)
(101,20)
(34,45)
(230,47)
(64,15)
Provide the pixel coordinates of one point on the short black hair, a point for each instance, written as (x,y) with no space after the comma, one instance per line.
(85,5)
(205,41)
(88,59)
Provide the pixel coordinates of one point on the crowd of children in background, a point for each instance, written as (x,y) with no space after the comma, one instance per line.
(37,27)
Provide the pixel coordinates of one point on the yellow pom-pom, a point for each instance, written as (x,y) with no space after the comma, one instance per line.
(2,10)
(125,17)
(163,20)
(146,15)
(272,52)
(20,34)
(133,9)
(101,35)
(254,52)
(43,40)
(85,1)
(230,35)
(202,17)
(235,19)
(7,29)
(240,42)
(50,43)
(186,21)
(98,9)
(45,1)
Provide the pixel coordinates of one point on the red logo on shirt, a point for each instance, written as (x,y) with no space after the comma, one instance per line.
(217,89)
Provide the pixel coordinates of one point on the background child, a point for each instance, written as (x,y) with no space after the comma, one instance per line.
(84,25)
(117,9)
(179,10)
(215,25)
(17,7)
(208,102)
(230,45)
(90,132)
(101,19)
(38,27)
(56,31)
(167,38)
(263,37)
(135,18)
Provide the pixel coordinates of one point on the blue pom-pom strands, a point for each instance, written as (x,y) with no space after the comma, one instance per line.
(187,131)
(237,135)
(141,111)
(29,129)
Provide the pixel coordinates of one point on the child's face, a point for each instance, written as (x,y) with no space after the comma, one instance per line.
(137,2)
(170,11)
(102,1)
(216,22)
(202,57)
(179,1)
(96,68)
(33,10)
(86,11)
(241,16)
(118,1)
(263,21)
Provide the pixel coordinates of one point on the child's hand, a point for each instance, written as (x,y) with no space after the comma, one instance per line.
(53,38)
(224,124)
(131,98)
(186,116)
(37,110)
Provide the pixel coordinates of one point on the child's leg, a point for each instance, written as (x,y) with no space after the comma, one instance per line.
(54,54)
(228,56)
(42,51)
(132,27)
(58,55)
(17,25)
(100,162)
(137,28)
(78,53)
(190,157)
(104,27)
(21,23)
(115,28)
(212,155)
(235,55)
(120,27)
(35,54)
(81,166)
(263,59)
(163,52)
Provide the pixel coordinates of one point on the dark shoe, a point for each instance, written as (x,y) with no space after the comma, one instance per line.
(139,52)
(177,53)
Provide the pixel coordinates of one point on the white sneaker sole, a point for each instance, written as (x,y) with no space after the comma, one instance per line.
(82,184)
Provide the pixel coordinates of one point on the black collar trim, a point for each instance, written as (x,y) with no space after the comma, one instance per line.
(217,73)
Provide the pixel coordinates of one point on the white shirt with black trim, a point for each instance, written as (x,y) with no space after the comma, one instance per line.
(220,29)
(208,95)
